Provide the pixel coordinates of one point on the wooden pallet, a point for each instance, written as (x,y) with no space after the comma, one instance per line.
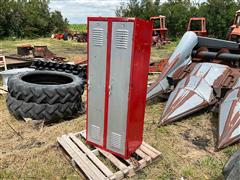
(3,90)
(93,168)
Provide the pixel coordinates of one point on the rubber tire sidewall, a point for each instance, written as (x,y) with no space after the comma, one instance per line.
(46,94)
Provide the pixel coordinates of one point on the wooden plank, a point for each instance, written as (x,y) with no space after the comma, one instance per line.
(2,92)
(83,134)
(132,171)
(4,88)
(148,152)
(76,158)
(151,148)
(114,160)
(119,175)
(84,159)
(91,156)
(124,169)
(143,164)
(27,119)
(143,155)
(95,151)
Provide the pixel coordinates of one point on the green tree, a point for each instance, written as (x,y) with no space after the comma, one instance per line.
(29,18)
(178,13)
(131,9)
(58,23)
(218,13)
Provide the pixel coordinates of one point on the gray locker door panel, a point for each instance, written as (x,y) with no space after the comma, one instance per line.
(96,80)
(121,48)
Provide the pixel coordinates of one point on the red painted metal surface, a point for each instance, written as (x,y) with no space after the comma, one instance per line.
(140,58)
(58,36)
(157,66)
(137,96)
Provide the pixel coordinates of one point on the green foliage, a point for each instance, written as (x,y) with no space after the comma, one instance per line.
(78,27)
(178,14)
(219,13)
(29,18)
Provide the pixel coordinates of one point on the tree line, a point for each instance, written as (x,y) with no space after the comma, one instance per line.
(29,18)
(219,13)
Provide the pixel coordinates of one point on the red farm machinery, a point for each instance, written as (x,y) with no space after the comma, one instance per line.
(233,33)
(159,31)
(197,25)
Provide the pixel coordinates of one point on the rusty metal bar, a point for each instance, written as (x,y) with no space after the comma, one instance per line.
(208,55)
(217,43)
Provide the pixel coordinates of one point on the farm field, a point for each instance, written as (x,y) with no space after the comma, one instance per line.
(78,27)
(30,151)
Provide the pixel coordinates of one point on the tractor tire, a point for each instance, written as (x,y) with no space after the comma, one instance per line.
(48,113)
(76,69)
(46,87)
(231,169)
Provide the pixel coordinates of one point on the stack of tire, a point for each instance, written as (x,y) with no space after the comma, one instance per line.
(45,95)
(79,70)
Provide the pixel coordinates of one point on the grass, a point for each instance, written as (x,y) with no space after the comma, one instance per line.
(78,27)
(37,155)
(71,50)
(163,51)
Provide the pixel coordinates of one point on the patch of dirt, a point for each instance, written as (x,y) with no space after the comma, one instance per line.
(200,141)
(32,143)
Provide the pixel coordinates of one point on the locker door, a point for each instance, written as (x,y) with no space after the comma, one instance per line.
(96,80)
(120,65)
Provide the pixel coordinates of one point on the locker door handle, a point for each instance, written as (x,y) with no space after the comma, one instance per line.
(89,87)
(110,89)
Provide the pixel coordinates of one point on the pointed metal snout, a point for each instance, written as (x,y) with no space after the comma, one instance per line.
(192,94)
(229,119)
(184,103)
(158,88)
(180,57)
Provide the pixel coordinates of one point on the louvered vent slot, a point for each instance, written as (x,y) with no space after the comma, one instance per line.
(95,132)
(122,39)
(97,37)
(116,140)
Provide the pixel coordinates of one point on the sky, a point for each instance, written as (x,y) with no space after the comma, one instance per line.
(77,11)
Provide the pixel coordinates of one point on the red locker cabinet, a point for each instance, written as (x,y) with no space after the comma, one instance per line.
(118,61)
